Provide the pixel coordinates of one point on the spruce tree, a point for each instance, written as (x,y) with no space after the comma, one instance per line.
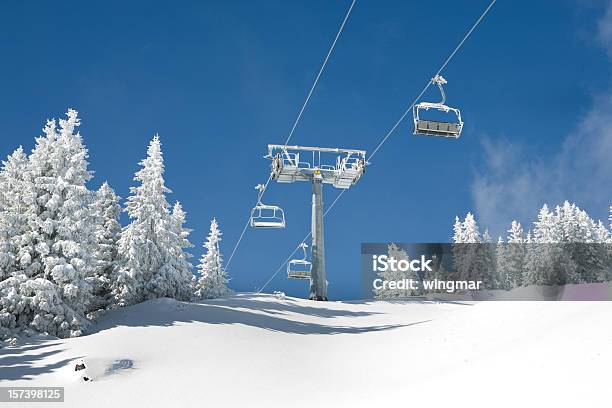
(61,239)
(150,248)
(178,247)
(106,211)
(503,278)
(13,211)
(213,278)
(48,289)
(487,264)
(515,254)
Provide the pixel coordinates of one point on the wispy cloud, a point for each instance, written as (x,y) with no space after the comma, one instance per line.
(604,30)
(511,186)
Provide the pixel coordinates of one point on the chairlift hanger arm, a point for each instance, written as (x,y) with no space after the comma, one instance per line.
(439,80)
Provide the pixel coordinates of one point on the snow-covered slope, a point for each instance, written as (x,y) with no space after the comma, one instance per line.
(257,350)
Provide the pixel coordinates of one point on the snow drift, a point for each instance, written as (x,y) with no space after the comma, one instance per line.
(262,350)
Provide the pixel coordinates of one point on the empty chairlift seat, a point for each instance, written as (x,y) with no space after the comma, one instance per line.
(299,268)
(436,128)
(430,127)
(267,216)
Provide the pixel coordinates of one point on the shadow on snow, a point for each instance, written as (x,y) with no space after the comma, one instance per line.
(261,311)
(23,362)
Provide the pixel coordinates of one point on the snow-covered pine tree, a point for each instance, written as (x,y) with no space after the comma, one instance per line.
(602,234)
(458,249)
(578,238)
(149,245)
(503,278)
(486,268)
(554,264)
(106,211)
(532,269)
(471,233)
(48,291)
(515,254)
(604,244)
(213,278)
(457,231)
(466,259)
(180,259)
(13,212)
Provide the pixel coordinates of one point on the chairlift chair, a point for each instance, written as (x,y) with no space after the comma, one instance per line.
(266,216)
(434,127)
(299,268)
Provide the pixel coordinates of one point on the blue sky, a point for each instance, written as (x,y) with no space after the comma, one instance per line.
(220,80)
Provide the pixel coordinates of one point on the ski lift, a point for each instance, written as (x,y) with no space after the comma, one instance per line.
(266,216)
(299,268)
(434,127)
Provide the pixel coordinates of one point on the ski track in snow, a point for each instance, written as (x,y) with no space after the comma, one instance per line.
(257,350)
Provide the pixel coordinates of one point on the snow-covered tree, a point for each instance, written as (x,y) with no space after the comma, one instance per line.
(553,264)
(48,289)
(467,261)
(578,235)
(515,254)
(180,259)
(13,211)
(457,231)
(105,211)
(60,218)
(150,248)
(504,280)
(37,304)
(567,246)
(213,279)
(486,268)
(471,233)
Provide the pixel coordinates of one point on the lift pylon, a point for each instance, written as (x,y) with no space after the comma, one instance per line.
(312,164)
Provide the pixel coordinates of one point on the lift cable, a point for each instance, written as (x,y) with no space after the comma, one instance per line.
(450,57)
(314,85)
(295,123)
(393,128)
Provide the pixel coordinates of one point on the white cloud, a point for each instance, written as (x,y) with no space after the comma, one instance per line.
(512,186)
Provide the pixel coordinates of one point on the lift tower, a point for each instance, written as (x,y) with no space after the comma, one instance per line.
(299,163)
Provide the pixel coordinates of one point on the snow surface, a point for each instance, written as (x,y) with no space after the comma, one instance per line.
(264,351)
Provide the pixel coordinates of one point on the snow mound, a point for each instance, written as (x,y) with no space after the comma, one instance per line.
(261,350)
